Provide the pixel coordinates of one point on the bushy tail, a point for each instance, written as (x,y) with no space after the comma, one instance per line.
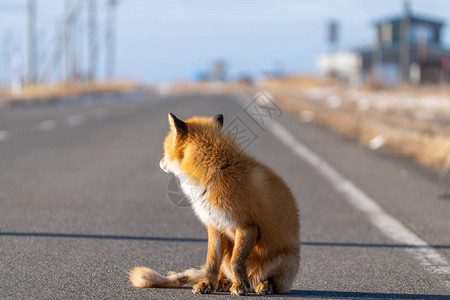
(147,278)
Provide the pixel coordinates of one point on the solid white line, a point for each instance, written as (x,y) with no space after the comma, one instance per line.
(46,125)
(427,256)
(3,135)
(75,120)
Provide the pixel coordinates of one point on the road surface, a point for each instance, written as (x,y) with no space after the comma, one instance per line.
(82,200)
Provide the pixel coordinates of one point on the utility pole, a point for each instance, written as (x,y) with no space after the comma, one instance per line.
(31,72)
(333,35)
(92,39)
(16,70)
(73,41)
(110,39)
(71,13)
(7,41)
(66,60)
(406,51)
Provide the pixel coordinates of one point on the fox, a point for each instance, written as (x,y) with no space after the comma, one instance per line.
(249,212)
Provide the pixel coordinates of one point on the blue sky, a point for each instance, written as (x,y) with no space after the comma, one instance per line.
(167,40)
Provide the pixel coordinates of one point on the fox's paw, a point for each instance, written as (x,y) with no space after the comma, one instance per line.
(203,287)
(239,289)
(264,287)
(224,285)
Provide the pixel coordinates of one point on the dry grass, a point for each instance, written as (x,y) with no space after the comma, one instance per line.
(40,91)
(205,87)
(413,121)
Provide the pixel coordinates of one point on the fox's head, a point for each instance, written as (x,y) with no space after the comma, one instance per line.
(183,137)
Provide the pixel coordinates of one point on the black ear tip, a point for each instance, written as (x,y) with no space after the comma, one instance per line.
(177,124)
(219,118)
(174,118)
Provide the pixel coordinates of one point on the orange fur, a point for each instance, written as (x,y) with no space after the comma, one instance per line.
(251,216)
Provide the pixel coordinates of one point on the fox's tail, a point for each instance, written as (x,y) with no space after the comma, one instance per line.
(147,278)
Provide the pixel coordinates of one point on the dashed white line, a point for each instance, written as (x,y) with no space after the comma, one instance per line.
(46,125)
(75,120)
(433,261)
(3,135)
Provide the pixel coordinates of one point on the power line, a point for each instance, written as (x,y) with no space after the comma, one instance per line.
(71,14)
(67,53)
(110,38)
(31,41)
(92,39)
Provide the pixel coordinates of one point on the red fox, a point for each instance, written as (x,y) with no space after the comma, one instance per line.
(250,214)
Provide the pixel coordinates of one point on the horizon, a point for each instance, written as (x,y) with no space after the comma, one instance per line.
(160,41)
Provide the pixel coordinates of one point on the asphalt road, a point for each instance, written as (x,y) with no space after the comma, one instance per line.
(82,200)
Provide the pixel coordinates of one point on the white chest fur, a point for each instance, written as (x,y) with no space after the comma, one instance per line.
(208,213)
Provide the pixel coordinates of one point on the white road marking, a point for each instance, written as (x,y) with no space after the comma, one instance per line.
(46,125)
(75,120)
(424,253)
(3,135)
(376,142)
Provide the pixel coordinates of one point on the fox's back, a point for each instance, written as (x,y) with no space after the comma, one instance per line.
(239,189)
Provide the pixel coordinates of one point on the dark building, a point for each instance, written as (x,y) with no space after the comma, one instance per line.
(408,49)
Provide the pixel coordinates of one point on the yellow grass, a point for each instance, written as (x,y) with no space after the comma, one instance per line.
(399,127)
(413,121)
(207,87)
(41,91)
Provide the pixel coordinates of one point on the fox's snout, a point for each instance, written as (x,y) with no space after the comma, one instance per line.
(163,165)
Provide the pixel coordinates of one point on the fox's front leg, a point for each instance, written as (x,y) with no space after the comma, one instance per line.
(213,260)
(244,242)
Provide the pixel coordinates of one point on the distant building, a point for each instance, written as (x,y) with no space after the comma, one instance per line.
(343,65)
(218,71)
(408,49)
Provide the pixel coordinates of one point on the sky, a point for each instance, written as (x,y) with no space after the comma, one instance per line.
(160,41)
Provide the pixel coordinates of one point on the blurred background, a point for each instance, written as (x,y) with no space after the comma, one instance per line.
(49,41)
(85,88)
(383,64)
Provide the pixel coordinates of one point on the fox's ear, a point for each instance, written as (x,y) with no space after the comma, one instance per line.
(219,119)
(176,125)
